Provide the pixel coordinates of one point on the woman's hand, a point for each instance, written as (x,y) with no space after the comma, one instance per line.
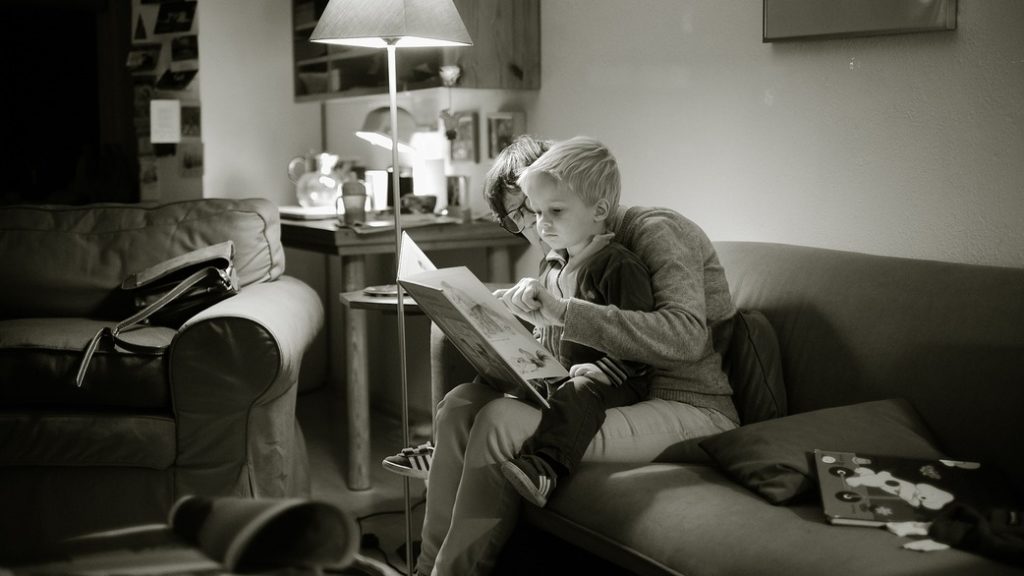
(533,303)
(591,372)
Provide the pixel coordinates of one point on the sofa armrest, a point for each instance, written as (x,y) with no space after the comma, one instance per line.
(233,375)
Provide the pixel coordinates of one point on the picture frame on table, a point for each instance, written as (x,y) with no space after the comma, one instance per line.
(502,129)
(466,145)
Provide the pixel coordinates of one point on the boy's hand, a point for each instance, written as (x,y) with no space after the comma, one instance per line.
(533,303)
(591,372)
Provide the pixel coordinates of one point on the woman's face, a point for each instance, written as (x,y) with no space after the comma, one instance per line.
(515,208)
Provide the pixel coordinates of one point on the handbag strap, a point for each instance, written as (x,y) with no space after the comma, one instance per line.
(136,321)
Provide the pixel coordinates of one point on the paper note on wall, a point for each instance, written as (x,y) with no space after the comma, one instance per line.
(165,121)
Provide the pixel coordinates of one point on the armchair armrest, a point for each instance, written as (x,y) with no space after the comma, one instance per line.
(233,373)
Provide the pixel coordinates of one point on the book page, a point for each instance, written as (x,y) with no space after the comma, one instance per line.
(491,321)
(412,260)
(491,338)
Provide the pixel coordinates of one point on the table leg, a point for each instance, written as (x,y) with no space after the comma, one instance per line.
(357,393)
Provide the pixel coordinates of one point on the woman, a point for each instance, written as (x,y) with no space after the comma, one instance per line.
(471,510)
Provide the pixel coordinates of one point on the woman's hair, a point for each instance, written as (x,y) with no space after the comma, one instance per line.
(504,174)
(582,165)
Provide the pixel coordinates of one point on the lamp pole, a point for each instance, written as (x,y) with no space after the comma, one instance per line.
(396,197)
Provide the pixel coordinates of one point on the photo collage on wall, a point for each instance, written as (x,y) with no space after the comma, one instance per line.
(164,62)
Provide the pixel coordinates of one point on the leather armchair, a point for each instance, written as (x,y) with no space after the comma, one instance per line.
(214,415)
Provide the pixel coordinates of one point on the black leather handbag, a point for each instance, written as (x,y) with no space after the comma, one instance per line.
(167,294)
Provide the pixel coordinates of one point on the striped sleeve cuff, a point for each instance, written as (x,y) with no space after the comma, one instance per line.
(616,371)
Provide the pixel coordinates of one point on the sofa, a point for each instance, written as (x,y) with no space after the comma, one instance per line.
(213,415)
(831,350)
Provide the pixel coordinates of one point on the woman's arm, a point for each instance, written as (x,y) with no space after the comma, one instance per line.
(687,281)
(675,251)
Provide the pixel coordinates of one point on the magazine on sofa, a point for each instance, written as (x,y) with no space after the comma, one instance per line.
(490,337)
(860,489)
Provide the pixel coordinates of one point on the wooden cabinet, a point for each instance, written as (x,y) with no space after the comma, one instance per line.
(505,54)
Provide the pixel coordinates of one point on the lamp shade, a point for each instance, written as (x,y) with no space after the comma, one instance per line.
(377,128)
(377,23)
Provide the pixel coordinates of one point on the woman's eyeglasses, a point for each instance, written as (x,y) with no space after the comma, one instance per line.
(514,220)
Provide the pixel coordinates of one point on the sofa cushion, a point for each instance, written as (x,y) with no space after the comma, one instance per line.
(69,260)
(772,457)
(755,369)
(39,358)
(688,519)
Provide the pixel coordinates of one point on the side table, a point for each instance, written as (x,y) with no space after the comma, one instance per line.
(326,237)
(357,385)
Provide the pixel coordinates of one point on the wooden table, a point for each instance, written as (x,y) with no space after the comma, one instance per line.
(325,236)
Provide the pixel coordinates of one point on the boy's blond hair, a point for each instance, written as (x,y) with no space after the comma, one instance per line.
(584,166)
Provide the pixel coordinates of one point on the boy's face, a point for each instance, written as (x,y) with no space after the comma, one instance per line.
(564,220)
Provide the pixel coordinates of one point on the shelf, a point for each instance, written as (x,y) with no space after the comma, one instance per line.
(505,54)
(365,91)
(332,58)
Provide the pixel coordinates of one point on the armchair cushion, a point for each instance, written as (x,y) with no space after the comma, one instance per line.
(39,357)
(69,260)
(77,440)
(771,457)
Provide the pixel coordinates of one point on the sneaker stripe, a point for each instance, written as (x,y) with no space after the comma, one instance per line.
(420,462)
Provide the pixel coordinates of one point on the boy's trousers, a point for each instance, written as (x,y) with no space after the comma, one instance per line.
(576,414)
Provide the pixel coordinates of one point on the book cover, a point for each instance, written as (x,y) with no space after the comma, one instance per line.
(487,334)
(871,490)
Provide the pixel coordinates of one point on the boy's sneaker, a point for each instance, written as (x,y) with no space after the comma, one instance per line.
(532,477)
(413,461)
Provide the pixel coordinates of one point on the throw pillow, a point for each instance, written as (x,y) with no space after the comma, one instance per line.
(772,459)
(755,368)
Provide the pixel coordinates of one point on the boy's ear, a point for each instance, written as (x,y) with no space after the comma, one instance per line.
(601,210)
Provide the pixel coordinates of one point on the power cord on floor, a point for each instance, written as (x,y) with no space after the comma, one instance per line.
(370,541)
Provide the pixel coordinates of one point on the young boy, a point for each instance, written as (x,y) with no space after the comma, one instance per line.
(572,189)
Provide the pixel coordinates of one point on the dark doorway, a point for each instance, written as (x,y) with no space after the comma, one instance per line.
(67,103)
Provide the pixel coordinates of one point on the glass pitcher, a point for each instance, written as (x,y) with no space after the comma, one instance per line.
(318,178)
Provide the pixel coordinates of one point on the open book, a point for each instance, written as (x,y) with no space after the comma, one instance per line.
(492,339)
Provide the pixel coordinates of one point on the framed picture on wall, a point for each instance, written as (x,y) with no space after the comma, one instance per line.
(465,146)
(502,129)
(175,17)
(799,19)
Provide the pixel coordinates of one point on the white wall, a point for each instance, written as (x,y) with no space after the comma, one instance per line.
(907,145)
(251,124)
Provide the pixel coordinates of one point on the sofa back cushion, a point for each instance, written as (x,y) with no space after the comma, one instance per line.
(70,260)
(856,327)
(755,368)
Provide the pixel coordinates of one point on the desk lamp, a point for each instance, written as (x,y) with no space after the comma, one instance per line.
(392,24)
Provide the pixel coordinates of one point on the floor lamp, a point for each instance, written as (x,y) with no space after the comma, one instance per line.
(392,24)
